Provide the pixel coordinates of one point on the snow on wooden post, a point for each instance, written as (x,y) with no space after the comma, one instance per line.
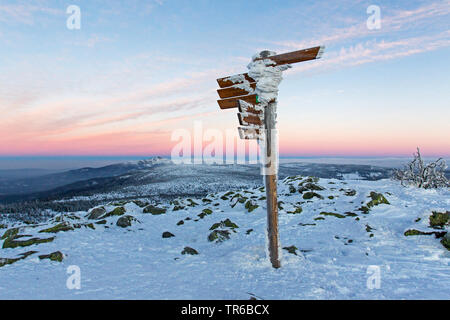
(255,94)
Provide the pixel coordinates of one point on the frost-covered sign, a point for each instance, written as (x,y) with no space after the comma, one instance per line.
(255,95)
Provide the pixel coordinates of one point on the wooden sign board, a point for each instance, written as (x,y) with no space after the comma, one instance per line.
(250,133)
(231,81)
(245,107)
(280,59)
(233,102)
(246,119)
(236,90)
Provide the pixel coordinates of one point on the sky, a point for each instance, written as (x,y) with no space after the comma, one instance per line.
(137,71)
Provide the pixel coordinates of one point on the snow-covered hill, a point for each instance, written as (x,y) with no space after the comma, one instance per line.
(337,235)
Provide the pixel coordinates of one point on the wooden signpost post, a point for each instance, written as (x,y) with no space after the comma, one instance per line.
(258,122)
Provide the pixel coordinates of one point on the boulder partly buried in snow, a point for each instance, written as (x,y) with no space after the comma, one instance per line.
(125,221)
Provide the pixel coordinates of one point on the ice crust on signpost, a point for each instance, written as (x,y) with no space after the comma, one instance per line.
(268,77)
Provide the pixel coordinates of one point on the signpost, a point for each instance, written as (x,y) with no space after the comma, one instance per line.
(258,122)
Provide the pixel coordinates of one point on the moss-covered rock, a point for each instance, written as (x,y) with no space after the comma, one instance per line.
(154,210)
(310,195)
(119,211)
(364,209)
(377,199)
(189,250)
(54,256)
(205,213)
(351,214)
(291,249)
(140,204)
(438,220)
(309,186)
(446,241)
(61,227)
(125,221)
(178,208)
(6,261)
(12,243)
(251,206)
(224,224)
(219,235)
(414,232)
(10,233)
(337,215)
(192,203)
(297,210)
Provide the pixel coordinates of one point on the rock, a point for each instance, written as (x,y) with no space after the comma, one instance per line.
(154,210)
(349,192)
(181,222)
(205,213)
(414,232)
(250,206)
(224,224)
(337,215)
(12,243)
(125,221)
(54,256)
(309,186)
(377,199)
(101,222)
(192,203)
(310,195)
(6,261)
(446,241)
(10,233)
(189,250)
(297,210)
(167,235)
(61,227)
(351,214)
(140,204)
(219,235)
(119,211)
(96,213)
(291,249)
(439,219)
(249,231)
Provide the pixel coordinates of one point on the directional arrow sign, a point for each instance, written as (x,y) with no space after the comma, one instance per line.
(249,133)
(237,90)
(297,56)
(245,107)
(231,81)
(280,59)
(233,102)
(246,119)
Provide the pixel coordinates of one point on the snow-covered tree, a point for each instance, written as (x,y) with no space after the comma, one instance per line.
(423,175)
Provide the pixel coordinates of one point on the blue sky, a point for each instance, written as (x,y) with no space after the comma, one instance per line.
(138,70)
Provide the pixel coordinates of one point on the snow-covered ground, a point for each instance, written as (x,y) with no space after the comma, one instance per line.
(339,247)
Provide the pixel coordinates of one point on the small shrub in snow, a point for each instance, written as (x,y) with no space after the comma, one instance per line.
(419,174)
